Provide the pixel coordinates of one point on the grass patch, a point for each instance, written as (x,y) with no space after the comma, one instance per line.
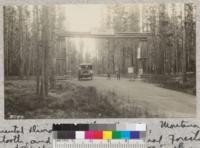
(174,82)
(67,101)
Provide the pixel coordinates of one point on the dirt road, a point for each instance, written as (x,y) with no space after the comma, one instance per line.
(160,101)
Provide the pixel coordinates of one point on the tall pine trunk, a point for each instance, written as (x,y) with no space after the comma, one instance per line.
(21,41)
(45,51)
(37,49)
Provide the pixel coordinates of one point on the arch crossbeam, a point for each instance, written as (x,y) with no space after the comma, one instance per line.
(120,35)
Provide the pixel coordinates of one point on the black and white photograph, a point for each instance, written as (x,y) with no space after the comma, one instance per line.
(77,61)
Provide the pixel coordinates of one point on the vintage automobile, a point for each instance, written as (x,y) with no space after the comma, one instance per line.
(85,71)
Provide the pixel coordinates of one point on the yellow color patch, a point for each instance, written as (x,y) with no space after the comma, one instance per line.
(107,135)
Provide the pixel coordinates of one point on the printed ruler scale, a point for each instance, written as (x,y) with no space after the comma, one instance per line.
(99,135)
(98,144)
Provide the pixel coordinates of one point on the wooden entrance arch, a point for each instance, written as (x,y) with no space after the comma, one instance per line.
(61,45)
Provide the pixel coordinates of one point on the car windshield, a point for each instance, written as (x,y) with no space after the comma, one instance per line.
(86,67)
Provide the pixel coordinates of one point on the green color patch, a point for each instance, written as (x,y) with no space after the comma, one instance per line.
(116,135)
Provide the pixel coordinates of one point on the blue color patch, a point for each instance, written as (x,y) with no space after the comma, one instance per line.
(135,135)
(125,135)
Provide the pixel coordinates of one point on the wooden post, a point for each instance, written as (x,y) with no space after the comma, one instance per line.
(140,69)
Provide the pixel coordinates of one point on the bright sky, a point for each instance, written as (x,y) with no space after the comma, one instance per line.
(83,17)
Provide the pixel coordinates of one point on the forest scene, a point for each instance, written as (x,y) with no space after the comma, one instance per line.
(100,61)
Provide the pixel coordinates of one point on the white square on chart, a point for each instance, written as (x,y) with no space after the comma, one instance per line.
(80,135)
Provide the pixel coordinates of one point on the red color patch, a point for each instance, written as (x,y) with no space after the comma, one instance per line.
(97,134)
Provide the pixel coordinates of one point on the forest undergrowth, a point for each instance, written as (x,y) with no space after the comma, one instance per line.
(67,100)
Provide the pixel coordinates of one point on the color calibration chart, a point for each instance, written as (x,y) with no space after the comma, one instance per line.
(119,135)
